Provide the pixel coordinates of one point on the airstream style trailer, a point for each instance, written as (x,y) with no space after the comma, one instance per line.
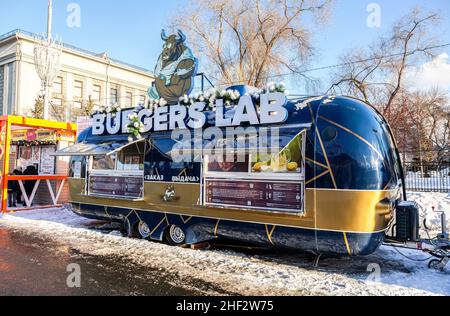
(326,177)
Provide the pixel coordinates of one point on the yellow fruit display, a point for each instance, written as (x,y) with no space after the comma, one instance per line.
(292,166)
(279,163)
(258,166)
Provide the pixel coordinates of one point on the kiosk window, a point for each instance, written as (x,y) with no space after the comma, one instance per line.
(104,162)
(289,160)
(258,180)
(132,157)
(225,164)
(127,182)
(286,162)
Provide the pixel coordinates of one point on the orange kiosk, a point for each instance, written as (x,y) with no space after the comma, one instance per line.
(11,128)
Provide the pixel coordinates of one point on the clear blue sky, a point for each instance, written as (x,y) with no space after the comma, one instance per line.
(129,30)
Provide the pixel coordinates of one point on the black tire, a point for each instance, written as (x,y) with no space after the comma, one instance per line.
(175,236)
(131,229)
(435,264)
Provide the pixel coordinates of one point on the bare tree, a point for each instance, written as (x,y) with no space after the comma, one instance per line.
(435,121)
(377,74)
(248,41)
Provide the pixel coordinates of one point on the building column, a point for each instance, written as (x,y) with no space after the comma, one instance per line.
(2,89)
(9,90)
(68,102)
(122,95)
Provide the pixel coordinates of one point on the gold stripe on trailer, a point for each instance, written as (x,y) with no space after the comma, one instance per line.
(354,134)
(318,177)
(270,234)
(351,211)
(347,245)
(326,158)
(216,229)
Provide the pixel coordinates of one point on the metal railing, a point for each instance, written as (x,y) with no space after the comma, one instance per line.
(427,176)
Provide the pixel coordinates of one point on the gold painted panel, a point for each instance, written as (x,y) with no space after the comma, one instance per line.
(337,210)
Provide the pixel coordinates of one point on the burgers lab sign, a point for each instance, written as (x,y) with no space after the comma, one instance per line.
(172,117)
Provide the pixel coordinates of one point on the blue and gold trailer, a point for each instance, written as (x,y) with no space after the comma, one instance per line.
(329,186)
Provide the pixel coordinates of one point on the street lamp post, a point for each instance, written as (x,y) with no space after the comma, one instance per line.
(47,52)
(49,20)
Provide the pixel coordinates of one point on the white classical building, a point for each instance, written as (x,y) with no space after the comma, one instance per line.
(85,79)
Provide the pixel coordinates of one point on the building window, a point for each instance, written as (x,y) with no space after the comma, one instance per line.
(96,93)
(113,96)
(58,85)
(78,89)
(57,102)
(141,99)
(78,105)
(129,99)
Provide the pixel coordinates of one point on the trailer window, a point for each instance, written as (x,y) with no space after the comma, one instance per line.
(289,160)
(104,162)
(119,175)
(132,157)
(228,164)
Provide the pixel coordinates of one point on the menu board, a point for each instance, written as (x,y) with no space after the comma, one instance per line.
(47,165)
(265,195)
(128,187)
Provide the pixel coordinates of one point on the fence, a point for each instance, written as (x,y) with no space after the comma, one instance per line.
(427,177)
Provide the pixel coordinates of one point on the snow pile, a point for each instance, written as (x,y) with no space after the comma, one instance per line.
(427,201)
(247,274)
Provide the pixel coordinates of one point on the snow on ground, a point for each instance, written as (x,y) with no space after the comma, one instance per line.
(436,180)
(238,272)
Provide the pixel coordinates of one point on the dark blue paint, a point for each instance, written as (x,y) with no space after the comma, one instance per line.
(202,229)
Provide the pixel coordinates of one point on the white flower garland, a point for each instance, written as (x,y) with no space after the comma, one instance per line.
(112,109)
(230,97)
(135,127)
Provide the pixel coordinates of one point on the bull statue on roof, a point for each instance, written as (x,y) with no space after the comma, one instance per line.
(175,70)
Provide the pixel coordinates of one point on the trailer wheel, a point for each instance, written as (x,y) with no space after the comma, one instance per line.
(131,230)
(144,230)
(175,236)
(435,264)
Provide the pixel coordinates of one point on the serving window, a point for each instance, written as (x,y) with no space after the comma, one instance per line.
(272,180)
(119,174)
(107,162)
(285,164)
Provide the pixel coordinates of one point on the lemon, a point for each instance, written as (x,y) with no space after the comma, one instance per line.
(292,166)
(258,166)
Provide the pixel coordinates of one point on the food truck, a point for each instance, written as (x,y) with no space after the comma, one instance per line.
(318,174)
